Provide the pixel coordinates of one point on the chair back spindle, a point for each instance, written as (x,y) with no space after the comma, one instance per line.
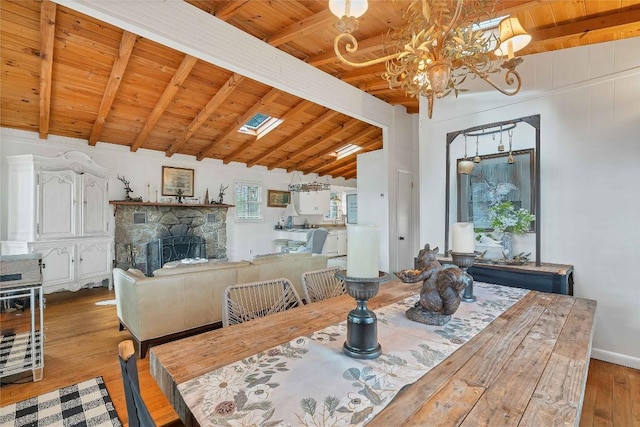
(322,284)
(248,301)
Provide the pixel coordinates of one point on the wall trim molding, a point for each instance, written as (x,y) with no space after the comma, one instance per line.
(617,358)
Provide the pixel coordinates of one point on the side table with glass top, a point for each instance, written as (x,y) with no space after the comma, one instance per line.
(21,292)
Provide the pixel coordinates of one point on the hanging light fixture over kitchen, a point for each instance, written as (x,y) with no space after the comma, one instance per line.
(306,187)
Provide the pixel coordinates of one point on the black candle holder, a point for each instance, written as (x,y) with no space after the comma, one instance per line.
(464,261)
(362,323)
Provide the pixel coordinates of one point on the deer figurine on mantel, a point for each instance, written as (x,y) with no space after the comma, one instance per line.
(221,194)
(128,190)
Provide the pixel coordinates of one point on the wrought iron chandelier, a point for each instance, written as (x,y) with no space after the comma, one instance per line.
(439,45)
(306,187)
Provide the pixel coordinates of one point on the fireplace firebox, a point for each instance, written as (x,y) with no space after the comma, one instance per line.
(162,251)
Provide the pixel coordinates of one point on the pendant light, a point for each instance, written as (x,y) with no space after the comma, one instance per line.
(477,159)
(501,146)
(465,166)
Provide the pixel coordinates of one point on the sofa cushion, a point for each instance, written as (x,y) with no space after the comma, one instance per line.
(194,268)
(281,257)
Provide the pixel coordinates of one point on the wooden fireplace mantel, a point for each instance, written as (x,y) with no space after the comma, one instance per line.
(117,203)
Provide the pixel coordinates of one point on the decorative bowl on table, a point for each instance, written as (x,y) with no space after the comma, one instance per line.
(408,276)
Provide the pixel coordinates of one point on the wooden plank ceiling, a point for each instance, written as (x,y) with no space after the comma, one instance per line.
(67,74)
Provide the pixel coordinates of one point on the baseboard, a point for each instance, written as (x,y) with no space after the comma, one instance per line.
(617,358)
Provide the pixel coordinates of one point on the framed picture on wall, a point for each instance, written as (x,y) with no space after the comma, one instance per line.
(278,199)
(177,181)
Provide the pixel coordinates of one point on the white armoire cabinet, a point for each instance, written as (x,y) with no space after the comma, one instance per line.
(58,207)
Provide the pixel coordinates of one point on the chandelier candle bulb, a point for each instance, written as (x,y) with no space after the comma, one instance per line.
(463,240)
(362,251)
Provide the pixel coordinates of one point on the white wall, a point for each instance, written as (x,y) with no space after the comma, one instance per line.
(589,102)
(373,199)
(244,240)
(377,183)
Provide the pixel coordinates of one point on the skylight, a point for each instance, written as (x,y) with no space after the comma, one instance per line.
(345,151)
(489,23)
(259,125)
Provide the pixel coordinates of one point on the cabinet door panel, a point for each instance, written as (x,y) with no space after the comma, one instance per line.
(56,204)
(57,264)
(342,243)
(93,259)
(330,245)
(94,213)
(312,203)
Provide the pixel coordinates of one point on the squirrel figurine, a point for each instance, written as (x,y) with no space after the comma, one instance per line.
(441,287)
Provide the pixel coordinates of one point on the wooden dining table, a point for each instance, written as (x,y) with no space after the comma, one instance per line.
(527,367)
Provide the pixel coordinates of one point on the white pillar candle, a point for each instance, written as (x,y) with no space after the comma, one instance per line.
(362,250)
(463,240)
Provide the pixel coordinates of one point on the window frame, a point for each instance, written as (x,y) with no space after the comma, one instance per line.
(239,203)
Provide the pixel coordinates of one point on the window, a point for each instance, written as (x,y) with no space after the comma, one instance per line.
(259,125)
(346,150)
(248,201)
(335,207)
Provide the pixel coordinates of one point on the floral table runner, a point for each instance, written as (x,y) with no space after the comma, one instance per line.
(309,381)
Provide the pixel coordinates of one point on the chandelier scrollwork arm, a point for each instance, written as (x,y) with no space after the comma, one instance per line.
(351,46)
(511,78)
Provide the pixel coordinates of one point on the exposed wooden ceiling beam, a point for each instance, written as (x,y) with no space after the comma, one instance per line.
(355,139)
(230,9)
(331,135)
(345,169)
(582,27)
(47,35)
(291,114)
(117,71)
(363,73)
(319,156)
(352,174)
(169,92)
(223,93)
(329,168)
(306,26)
(338,170)
(271,96)
(328,115)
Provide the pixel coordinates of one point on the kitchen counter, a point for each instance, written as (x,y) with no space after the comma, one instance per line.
(335,245)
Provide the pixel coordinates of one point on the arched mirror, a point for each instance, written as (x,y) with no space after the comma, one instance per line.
(492,164)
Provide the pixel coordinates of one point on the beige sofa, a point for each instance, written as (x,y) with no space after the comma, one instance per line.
(187,299)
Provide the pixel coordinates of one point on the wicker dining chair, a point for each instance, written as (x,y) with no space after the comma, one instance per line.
(322,284)
(247,301)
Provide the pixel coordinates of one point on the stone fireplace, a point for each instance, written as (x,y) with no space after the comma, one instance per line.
(138,224)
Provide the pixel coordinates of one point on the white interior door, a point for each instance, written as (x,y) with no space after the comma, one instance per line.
(404,221)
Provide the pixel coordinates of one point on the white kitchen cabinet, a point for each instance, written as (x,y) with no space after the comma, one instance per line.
(330,247)
(336,243)
(342,242)
(58,206)
(312,202)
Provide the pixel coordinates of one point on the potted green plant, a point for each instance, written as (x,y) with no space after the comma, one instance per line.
(508,220)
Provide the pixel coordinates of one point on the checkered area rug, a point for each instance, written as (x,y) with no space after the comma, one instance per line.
(85,404)
(15,352)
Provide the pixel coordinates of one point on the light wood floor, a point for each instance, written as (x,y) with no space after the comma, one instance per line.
(82,338)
